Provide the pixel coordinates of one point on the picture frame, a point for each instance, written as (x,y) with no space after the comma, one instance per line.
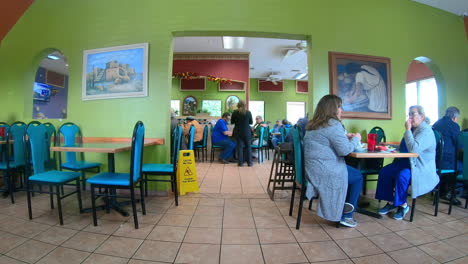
(234,86)
(231,103)
(364,84)
(115,72)
(189,106)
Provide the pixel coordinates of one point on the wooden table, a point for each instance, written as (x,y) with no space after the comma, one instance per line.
(109,146)
(377,155)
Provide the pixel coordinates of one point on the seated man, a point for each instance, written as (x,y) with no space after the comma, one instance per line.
(220,137)
(256,133)
(190,120)
(275,139)
(449,129)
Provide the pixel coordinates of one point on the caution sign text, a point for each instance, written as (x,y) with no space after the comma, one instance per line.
(187,173)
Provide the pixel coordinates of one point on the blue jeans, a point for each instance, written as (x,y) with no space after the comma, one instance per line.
(228,148)
(393,177)
(354,188)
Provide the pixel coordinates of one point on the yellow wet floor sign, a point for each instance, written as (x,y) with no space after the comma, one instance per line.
(187,173)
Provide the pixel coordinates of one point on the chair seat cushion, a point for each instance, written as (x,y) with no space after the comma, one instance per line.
(156,167)
(108,178)
(216,146)
(80,165)
(446,171)
(255,146)
(55,176)
(3,165)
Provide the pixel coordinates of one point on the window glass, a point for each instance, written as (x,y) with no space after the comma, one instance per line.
(424,93)
(257,108)
(212,106)
(294,111)
(175,105)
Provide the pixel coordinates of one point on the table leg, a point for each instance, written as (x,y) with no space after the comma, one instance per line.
(362,204)
(114,204)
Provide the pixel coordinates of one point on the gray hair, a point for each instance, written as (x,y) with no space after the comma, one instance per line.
(452,112)
(420,110)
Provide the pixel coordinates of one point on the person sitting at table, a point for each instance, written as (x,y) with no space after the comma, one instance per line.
(395,178)
(326,143)
(276,136)
(190,120)
(449,129)
(256,134)
(220,137)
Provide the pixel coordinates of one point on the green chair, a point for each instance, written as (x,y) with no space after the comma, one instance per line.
(202,146)
(259,145)
(462,176)
(213,146)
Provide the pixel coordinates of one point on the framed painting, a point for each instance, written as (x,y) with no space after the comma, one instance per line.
(364,84)
(115,72)
(189,106)
(231,103)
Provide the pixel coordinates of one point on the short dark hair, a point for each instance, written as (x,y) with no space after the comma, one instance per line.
(226,114)
(452,112)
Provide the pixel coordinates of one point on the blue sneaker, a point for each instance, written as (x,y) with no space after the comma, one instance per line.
(401,212)
(387,209)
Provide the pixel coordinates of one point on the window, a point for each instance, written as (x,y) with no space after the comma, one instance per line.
(212,106)
(424,93)
(294,111)
(175,105)
(257,108)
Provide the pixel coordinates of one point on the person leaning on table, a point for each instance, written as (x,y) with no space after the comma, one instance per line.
(395,178)
(326,143)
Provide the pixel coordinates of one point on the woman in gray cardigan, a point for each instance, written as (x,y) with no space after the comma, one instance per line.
(394,179)
(325,145)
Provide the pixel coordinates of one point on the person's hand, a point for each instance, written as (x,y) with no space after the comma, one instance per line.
(349,135)
(408,125)
(358,136)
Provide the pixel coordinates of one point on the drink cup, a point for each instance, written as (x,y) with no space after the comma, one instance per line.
(371,141)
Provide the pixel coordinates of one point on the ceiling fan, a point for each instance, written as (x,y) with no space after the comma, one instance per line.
(274,77)
(300,47)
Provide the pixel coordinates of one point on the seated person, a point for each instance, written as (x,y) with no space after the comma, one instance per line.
(325,146)
(220,136)
(276,139)
(256,133)
(287,127)
(449,129)
(190,120)
(394,179)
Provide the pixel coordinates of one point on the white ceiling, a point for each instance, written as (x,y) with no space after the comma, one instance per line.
(457,7)
(59,66)
(266,54)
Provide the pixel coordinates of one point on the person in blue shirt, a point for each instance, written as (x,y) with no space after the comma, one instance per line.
(220,137)
(275,139)
(449,129)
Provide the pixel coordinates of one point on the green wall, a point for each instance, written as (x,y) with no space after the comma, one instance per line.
(399,29)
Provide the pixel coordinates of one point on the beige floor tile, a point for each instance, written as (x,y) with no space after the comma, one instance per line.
(269,221)
(283,253)
(237,211)
(463,260)
(441,251)
(8,260)
(411,256)
(310,234)
(31,251)
(9,241)
(55,235)
(460,242)
(64,255)
(265,211)
(417,236)
(440,231)
(182,209)
(342,261)
(209,210)
(342,232)
(139,261)
(128,230)
(211,202)
(207,221)
(275,235)
(114,216)
(237,203)
(381,259)
(390,242)
(150,219)
(119,246)
(323,251)
(27,229)
(85,241)
(358,247)
(241,254)
(189,200)
(103,259)
(77,222)
(372,228)
(203,235)
(262,203)
(175,220)
(168,233)
(241,221)
(105,227)
(198,253)
(240,236)
(457,225)
(157,251)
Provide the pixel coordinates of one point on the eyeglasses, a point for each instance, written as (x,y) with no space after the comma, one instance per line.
(413,114)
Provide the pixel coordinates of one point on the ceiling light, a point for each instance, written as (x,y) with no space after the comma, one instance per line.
(53,57)
(300,76)
(233,42)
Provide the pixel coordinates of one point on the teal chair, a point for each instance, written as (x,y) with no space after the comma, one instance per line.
(461,176)
(51,141)
(300,179)
(72,136)
(214,147)
(284,133)
(259,145)
(191,144)
(266,139)
(202,146)
(158,169)
(439,170)
(4,128)
(36,150)
(14,159)
(127,181)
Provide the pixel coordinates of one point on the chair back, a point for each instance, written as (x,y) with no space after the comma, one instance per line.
(4,126)
(439,150)
(70,132)
(380,134)
(284,133)
(178,132)
(191,137)
(138,139)
(298,155)
(205,136)
(51,141)
(16,132)
(36,146)
(266,135)
(261,132)
(462,141)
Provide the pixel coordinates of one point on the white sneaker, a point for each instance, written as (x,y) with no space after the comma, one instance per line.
(349,222)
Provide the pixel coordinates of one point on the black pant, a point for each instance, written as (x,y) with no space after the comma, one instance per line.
(244,150)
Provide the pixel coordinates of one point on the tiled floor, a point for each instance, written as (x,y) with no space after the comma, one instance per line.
(232,220)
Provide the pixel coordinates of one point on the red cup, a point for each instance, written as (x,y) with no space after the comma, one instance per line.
(2,132)
(371,141)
